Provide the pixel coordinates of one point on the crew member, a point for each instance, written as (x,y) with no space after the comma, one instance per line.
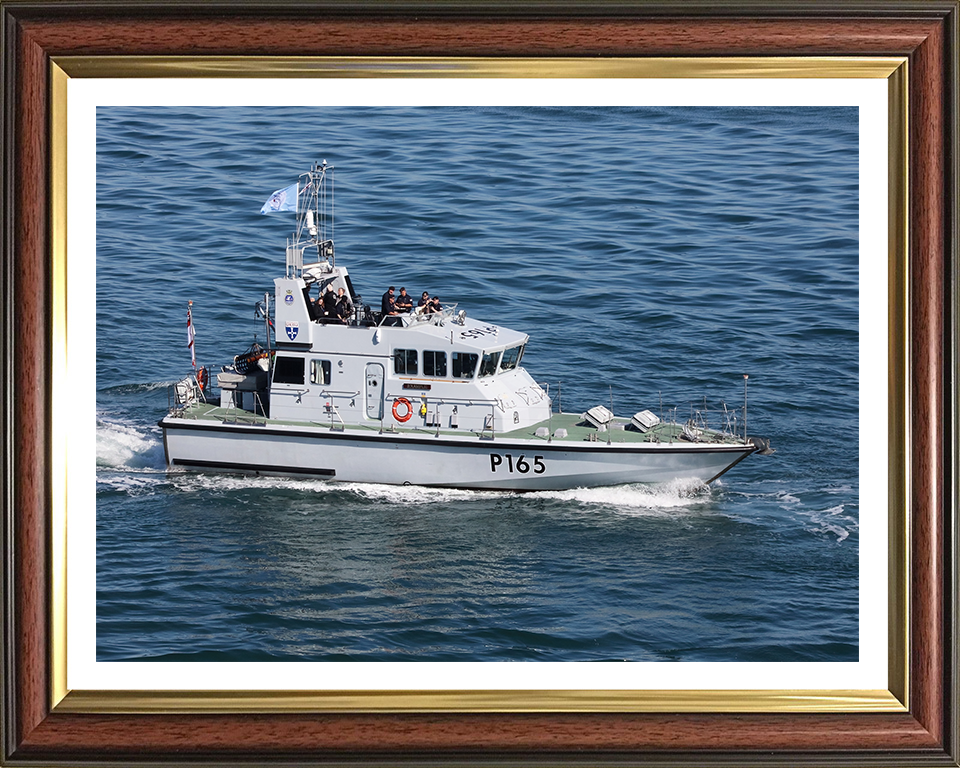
(404,301)
(329,303)
(344,305)
(387,304)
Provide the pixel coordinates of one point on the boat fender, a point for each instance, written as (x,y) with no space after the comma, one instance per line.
(402,402)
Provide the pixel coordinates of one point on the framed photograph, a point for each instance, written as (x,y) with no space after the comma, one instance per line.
(355,698)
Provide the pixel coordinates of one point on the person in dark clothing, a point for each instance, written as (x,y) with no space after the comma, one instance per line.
(314,308)
(318,311)
(329,303)
(387,304)
(424,300)
(435,305)
(404,301)
(344,306)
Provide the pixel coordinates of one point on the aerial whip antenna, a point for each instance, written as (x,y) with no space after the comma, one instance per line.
(745,377)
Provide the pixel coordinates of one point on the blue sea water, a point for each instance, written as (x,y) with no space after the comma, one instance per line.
(653,254)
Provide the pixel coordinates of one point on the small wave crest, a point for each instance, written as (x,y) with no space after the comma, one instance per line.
(136,389)
(805,509)
(832,522)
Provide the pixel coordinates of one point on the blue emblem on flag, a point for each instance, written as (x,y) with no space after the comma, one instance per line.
(292,330)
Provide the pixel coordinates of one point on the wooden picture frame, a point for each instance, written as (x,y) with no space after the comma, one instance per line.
(39,730)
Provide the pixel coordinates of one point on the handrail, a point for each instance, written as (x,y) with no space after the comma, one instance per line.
(445,400)
(333,411)
(493,421)
(413,317)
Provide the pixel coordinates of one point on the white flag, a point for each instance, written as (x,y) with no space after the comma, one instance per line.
(282,200)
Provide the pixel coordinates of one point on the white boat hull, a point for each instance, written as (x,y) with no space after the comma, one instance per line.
(459,462)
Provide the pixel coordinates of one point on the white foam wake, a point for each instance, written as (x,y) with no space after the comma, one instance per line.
(416,494)
(123,444)
(677,494)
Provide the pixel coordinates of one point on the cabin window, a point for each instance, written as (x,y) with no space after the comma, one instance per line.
(405,361)
(488,366)
(434,363)
(464,364)
(319,371)
(511,357)
(288,370)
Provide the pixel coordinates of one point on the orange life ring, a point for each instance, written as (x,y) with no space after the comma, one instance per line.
(406,403)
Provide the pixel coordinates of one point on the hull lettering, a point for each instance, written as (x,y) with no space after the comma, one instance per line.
(520,464)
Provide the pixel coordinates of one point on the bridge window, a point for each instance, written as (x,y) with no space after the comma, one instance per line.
(488,366)
(319,371)
(405,361)
(434,363)
(511,357)
(288,370)
(464,364)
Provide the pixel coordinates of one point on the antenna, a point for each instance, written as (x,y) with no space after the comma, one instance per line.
(745,377)
(266,323)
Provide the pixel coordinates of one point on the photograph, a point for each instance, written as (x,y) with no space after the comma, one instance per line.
(307,386)
(477,384)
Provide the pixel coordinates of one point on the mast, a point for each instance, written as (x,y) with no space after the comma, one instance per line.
(315,219)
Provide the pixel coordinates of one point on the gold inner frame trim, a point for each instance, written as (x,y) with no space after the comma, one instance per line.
(894,70)
(58,377)
(536,701)
(428,67)
(898,386)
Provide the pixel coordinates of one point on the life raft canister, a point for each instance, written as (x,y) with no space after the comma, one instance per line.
(402,402)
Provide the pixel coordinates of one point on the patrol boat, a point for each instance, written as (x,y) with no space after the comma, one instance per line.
(432,398)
